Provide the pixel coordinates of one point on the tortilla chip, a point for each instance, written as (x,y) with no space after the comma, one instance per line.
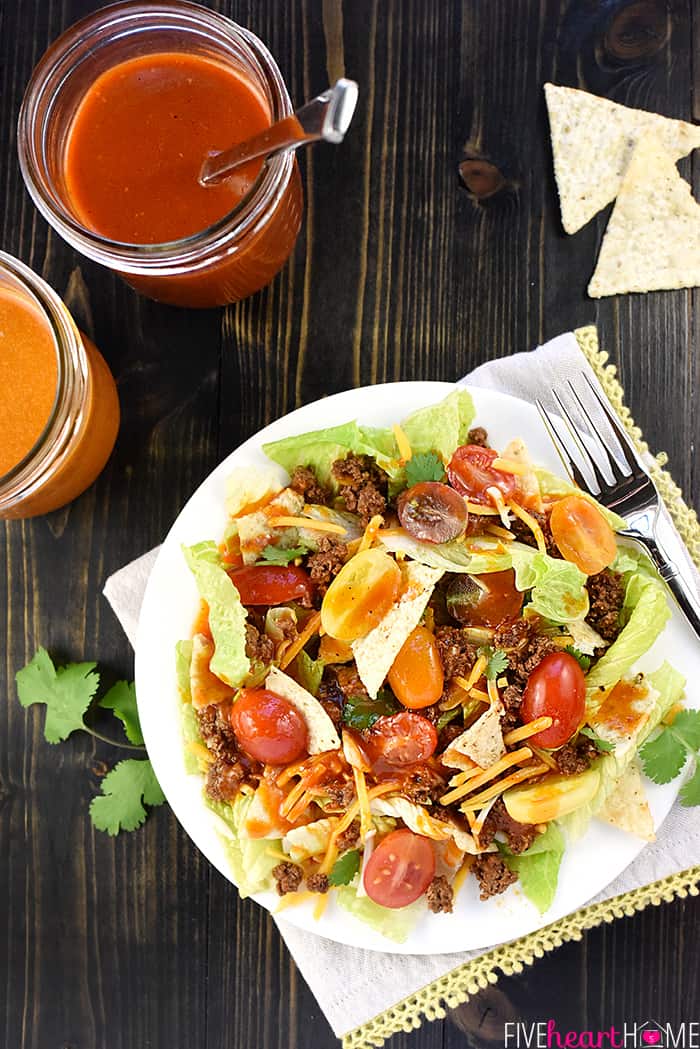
(375,653)
(627,807)
(653,237)
(482,741)
(321,730)
(592,142)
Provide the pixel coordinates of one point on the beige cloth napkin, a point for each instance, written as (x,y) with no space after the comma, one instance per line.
(353,985)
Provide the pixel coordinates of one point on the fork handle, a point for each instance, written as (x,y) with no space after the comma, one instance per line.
(684,592)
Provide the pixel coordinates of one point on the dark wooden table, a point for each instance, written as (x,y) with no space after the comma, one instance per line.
(399,273)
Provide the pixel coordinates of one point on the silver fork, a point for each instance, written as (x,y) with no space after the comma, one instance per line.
(632,494)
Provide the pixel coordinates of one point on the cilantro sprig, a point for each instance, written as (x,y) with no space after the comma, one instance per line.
(497,661)
(67,693)
(581,658)
(603,745)
(345,868)
(425,466)
(277,555)
(667,753)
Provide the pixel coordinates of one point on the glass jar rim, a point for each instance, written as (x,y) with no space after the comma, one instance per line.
(29,473)
(247,215)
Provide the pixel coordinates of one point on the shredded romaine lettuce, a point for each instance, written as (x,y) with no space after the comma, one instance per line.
(558,587)
(251,859)
(394,923)
(538,867)
(190,734)
(227,616)
(183,659)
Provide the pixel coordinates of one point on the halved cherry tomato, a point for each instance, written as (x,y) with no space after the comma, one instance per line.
(486,601)
(432,512)
(471,473)
(268,727)
(400,869)
(360,595)
(416,677)
(271,584)
(402,739)
(557,689)
(582,534)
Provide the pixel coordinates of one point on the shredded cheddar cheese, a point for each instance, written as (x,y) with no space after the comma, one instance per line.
(460,878)
(478,693)
(500,533)
(475,673)
(481,511)
(403,444)
(525,731)
(290,899)
(516,757)
(371,532)
(361,790)
(494,697)
(531,523)
(529,772)
(321,904)
(200,751)
(311,628)
(509,466)
(307,522)
(345,821)
(499,502)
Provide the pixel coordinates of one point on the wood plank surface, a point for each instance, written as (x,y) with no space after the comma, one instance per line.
(399,273)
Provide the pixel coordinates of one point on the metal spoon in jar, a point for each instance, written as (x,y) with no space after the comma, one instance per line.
(326,117)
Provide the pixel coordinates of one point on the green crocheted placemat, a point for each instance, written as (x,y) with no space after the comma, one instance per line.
(455,988)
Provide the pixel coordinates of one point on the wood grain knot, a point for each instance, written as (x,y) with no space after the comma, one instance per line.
(482,178)
(639,30)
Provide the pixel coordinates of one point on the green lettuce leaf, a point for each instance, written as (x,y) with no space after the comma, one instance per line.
(558,587)
(553,485)
(320,449)
(450,557)
(645,613)
(227,616)
(394,923)
(250,858)
(308,672)
(190,734)
(538,867)
(441,427)
(669,684)
(183,658)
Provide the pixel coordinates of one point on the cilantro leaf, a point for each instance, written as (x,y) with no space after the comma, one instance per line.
(663,757)
(583,660)
(67,692)
(124,790)
(362,712)
(277,555)
(497,661)
(686,727)
(345,869)
(690,793)
(425,466)
(121,700)
(603,745)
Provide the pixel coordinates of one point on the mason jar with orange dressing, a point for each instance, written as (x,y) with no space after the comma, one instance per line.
(59,410)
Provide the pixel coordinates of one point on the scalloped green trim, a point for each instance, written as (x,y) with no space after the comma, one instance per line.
(455,988)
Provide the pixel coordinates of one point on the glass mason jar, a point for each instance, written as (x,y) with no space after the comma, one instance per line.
(79,434)
(233,258)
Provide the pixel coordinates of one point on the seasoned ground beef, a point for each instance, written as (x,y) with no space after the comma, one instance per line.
(306,483)
(606,594)
(362,486)
(524,534)
(448,734)
(349,837)
(317,883)
(333,710)
(259,648)
(512,635)
(518,836)
(456,653)
(440,895)
(423,785)
(349,681)
(288,877)
(478,436)
(575,756)
(223,779)
(492,874)
(524,648)
(325,564)
(341,793)
(216,732)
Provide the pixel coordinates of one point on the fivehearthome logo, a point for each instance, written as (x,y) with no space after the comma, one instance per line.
(647,1034)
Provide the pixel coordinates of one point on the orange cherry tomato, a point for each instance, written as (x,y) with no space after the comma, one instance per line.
(416,677)
(400,869)
(360,595)
(271,584)
(582,534)
(268,727)
(556,688)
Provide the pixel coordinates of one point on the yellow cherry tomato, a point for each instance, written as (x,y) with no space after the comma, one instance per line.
(582,534)
(360,595)
(416,677)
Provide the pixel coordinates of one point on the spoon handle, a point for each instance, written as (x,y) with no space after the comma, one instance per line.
(325,117)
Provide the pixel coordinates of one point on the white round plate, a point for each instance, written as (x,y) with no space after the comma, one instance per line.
(169,609)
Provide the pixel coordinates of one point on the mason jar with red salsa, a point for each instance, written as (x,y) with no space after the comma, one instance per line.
(116,122)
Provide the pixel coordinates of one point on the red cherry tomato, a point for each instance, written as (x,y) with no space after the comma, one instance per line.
(471,473)
(268,727)
(400,869)
(271,584)
(487,601)
(403,739)
(432,511)
(582,534)
(557,689)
